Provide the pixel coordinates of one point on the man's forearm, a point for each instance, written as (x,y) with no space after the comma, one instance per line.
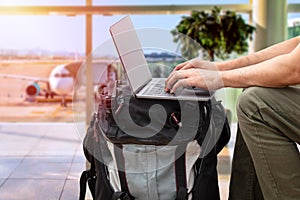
(260,56)
(276,72)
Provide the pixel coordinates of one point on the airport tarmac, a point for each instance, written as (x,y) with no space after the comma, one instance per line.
(36,113)
(13,104)
(15,88)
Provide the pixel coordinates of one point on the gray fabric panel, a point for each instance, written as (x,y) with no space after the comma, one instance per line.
(150,175)
(150,170)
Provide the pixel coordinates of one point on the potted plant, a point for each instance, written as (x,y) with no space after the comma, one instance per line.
(218,33)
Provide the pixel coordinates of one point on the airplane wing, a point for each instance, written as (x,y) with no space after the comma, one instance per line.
(30,78)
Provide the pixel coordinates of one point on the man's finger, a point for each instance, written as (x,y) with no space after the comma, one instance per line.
(173,78)
(187,66)
(180,66)
(179,84)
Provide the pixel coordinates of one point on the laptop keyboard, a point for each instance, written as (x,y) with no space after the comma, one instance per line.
(158,90)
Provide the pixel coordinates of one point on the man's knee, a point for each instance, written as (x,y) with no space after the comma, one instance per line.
(250,100)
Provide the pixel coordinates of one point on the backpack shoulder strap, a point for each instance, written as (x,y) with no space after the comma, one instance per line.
(88,176)
(180,173)
(124,194)
(121,195)
(83,181)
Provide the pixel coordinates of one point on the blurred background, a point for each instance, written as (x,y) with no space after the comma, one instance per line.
(37,36)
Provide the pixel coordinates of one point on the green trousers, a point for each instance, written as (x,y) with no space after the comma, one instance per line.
(266,162)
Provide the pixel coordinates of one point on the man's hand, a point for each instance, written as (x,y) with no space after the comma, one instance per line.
(201,78)
(195,73)
(196,63)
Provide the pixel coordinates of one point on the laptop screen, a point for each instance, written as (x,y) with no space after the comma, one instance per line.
(131,53)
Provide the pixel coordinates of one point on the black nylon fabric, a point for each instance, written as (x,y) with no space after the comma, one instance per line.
(139,114)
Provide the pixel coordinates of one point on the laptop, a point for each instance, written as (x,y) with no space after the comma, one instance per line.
(137,71)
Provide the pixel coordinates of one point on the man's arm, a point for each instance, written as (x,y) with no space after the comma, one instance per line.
(279,71)
(276,66)
(268,53)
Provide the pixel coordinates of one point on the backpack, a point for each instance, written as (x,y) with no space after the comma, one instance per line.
(153,149)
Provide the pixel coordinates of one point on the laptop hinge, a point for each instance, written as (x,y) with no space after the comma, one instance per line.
(141,87)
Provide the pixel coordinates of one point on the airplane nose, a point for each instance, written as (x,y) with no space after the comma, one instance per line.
(62,86)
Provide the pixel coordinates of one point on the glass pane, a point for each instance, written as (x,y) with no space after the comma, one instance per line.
(47,33)
(32,48)
(41,3)
(293,1)
(166,2)
(101,24)
(293,24)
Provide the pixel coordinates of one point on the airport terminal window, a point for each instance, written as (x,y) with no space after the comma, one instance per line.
(33,47)
(293,1)
(167,2)
(43,3)
(101,24)
(293,24)
(49,37)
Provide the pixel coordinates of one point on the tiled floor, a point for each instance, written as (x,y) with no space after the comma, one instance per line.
(43,161)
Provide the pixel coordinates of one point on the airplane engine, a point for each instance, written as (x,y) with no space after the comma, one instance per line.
(33,89)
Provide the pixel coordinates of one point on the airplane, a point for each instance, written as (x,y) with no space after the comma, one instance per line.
(62,79)
(59,83)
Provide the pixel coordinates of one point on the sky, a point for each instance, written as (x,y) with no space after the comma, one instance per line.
(64,33)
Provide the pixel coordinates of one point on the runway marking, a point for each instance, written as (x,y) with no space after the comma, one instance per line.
(38,112)
(55,112)
(70,112)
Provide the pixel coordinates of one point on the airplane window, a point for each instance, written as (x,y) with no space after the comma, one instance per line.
(65,75)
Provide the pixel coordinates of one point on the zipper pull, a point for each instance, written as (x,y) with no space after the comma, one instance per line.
(121,104)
